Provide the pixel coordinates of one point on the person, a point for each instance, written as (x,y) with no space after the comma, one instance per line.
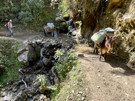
(10,27)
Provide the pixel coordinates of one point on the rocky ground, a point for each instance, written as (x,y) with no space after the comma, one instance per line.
(36,52)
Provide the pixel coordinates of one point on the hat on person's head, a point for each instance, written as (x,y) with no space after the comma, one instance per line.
(10,20)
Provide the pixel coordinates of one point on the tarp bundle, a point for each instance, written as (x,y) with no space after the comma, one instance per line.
(98,37)
(50,25)
(108,29)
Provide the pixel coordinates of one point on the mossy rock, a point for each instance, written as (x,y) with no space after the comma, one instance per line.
(59,20)
(66,17)
(64,27)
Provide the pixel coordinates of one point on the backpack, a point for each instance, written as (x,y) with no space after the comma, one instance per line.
(6,25)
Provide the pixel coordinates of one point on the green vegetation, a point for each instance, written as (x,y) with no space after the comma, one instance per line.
(32,13)
(66,61)
(9,63)
(71,87)
(43,83)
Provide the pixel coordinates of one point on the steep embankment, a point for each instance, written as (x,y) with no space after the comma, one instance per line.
(121,18)
(118,14)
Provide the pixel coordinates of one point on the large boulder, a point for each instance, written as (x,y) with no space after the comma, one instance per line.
(29,52)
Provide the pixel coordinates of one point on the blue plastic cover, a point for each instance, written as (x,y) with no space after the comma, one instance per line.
(50,24)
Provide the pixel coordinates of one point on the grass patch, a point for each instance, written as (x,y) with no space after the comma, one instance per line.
(83,48)
(9,63)
(65,62)
(72,88)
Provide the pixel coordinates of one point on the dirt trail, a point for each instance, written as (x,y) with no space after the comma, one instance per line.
(21,35)
(108,81)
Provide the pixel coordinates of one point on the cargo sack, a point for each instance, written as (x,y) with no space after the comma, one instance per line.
(98,37)
(51,25)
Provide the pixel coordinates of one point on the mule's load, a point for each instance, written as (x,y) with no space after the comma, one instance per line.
(51,25)
(98,37)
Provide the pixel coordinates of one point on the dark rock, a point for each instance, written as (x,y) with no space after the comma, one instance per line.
(46,61)
(31,54)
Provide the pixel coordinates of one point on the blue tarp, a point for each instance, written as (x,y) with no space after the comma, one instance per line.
(50,24)
(108,29)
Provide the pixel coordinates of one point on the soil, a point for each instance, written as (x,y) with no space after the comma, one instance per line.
(108,81)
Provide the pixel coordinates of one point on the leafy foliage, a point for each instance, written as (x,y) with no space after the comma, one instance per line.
(26,12)
(66,61)
(9,63)
(43,84)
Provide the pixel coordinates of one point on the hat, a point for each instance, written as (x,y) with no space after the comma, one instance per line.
(10,20)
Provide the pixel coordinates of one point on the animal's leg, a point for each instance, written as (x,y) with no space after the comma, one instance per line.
(45,33)
(100,54)
(105,55)
(52,34)
(94,51)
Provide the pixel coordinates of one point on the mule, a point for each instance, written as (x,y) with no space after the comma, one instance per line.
(106,45)
(51,29)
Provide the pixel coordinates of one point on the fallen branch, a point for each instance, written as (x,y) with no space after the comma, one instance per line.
(24,83)
(22,78)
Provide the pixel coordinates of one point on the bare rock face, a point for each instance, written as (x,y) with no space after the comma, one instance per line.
(131,62)
(125,44)
(115,3)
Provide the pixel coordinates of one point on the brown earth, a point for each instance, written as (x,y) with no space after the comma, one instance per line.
(108,81)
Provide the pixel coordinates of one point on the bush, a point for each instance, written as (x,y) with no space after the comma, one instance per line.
(9,63)
(66,61)
(28,12)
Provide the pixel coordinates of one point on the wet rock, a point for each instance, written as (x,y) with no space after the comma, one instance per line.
(14,89)
(22,47)
(31,54)
(46,61)
(40,97)
(23,58)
